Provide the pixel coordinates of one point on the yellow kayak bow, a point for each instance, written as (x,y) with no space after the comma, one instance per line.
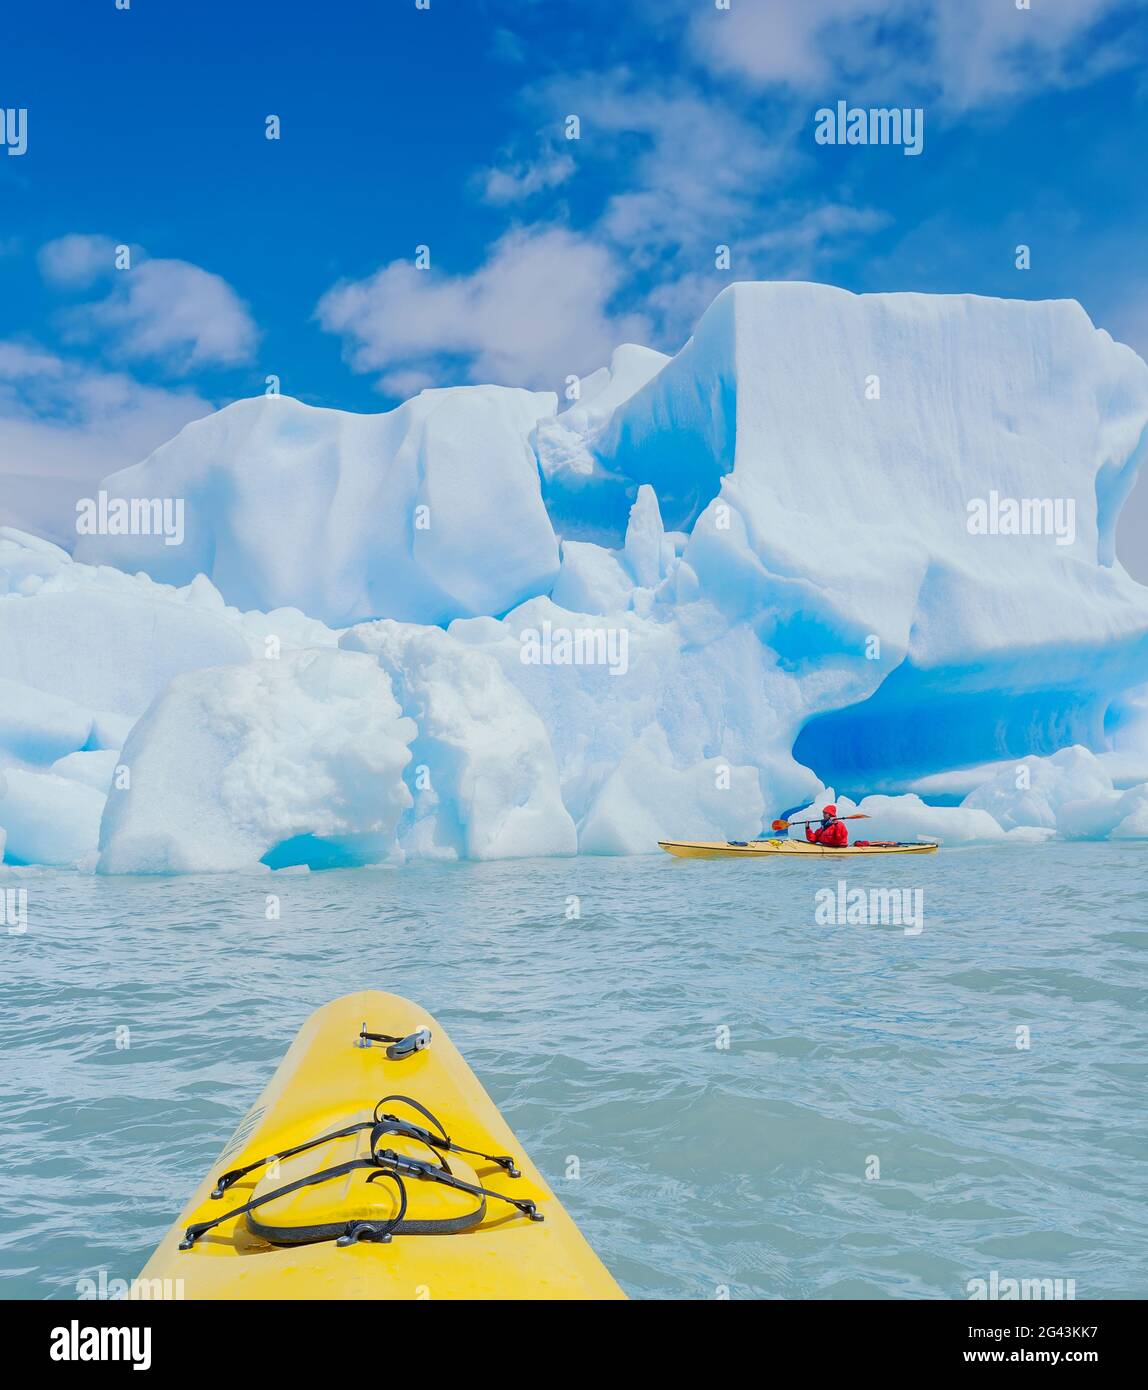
(375,1166)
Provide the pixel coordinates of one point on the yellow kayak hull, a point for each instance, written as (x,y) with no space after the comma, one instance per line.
(327,1080)
(765,849)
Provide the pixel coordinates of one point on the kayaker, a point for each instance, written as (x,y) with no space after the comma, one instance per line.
(831,831)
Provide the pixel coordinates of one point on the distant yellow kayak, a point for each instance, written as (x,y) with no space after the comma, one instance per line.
(764,849)
(375,1166)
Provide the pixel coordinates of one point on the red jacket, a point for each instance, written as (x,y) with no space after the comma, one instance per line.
(835,834)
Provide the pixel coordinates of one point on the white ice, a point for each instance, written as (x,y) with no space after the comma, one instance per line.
(297,759)
(763,541)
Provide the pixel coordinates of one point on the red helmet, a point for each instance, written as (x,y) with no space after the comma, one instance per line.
(829,810)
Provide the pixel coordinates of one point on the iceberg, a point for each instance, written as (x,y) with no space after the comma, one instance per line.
(585,499)
(1110,815)
(486,783)
(296,760)
(48,819)
(37,726)
(93,767)
(945,647)
(628,812)
(102,640)
(351,517)
(1032,792)
(711,587)
(910,818)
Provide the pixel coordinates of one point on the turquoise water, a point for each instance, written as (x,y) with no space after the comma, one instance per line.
(702,1168)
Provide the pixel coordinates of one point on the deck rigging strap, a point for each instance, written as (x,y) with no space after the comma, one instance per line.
(385,1124)
(387,1163)
(440,1141)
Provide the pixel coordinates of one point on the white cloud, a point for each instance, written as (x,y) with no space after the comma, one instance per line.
(801,240)
(693,169)
(799,46)
(984,51)
(405,382)
(507,47)
(64,425)
(518,181)
(169,311)
(697,174)
(799,246)
(535,312)
(965,55)
(175,312)
(77,261)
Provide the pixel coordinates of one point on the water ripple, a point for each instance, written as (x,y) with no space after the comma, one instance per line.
(872,1128)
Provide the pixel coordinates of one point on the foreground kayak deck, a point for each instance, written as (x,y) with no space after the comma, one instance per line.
(326,1082)
(764,849)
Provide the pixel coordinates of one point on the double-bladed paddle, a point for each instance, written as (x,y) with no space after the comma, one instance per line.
(785,824)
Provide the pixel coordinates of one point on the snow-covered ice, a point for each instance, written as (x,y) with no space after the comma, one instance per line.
(289,760)
(485,783)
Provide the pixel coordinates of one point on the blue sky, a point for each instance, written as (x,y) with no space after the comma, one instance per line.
(445,127)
